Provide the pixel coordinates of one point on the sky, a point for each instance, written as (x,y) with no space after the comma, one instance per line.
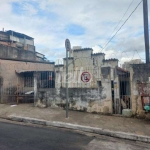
(86,23)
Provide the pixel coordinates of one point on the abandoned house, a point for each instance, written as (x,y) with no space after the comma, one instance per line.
(22,70)
(95,84)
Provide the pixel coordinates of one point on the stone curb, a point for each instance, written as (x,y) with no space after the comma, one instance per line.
(123,135)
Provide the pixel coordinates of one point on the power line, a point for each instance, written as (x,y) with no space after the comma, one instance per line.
(121,26)
(122,17)
(139,55)
(130,57)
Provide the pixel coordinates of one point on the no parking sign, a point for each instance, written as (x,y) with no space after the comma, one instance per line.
(86,77)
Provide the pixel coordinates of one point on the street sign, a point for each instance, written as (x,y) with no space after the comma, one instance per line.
(67,45)
(86,77)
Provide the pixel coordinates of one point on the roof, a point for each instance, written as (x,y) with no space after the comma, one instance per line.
(20,35)
(121,72)
(94,54)
(83,49)
(112,59)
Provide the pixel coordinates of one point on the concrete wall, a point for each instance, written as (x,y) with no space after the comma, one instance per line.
(111,62)
(83,60)
(14,53)
(22,40)
(4,36)
(58,76)
(82,99)
(138,73)
(97,59)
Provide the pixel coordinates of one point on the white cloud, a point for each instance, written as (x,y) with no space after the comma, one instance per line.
(98,17)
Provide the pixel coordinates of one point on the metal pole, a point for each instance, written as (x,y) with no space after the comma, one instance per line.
(66,83)
(35,88)
(146,31)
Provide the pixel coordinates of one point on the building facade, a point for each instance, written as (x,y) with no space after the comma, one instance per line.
(95,83)
(22,69)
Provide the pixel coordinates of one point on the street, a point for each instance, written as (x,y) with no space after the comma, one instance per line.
(20,137)
(29,137)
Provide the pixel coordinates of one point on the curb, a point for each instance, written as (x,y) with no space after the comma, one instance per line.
(116,134)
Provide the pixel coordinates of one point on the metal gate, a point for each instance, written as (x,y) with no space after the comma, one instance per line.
(123,100)
(20,89)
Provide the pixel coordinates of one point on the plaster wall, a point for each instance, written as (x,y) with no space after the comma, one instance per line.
(14,53)
(111,62)
(139,73)
(81,99)
(82,58)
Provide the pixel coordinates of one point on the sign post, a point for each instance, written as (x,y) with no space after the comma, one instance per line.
(68,48)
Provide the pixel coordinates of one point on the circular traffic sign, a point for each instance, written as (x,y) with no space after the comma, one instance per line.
(86,77)
(67,45)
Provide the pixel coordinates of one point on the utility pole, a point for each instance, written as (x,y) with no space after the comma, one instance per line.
(146,31)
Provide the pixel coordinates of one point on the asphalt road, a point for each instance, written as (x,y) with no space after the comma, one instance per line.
(28,137)
(20,137)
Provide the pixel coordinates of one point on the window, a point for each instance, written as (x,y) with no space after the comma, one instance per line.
(47,80)
(99,83)
(28,79)
(93,61)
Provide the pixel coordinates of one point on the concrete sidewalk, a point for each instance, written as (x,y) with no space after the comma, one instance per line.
(121,124)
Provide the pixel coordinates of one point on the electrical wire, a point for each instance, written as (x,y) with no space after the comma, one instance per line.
(139,55)
(122,17)
(121,26)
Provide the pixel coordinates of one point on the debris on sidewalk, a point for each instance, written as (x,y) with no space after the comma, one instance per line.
(13,105)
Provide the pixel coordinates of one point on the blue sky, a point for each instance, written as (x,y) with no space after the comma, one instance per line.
(74,29)
(85,23)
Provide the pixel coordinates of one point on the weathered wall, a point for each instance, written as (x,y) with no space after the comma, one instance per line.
(10,74)
(14,53)
(58,76)
(138,73)
(84,60)
(85,96)
(111,62)
(82,99)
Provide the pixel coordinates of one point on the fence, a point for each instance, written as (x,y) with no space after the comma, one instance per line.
(20,89)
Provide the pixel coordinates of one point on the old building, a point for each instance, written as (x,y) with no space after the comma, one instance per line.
(22,69)
(95,84)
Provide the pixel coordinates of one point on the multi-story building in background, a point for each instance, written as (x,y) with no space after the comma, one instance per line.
(20,65)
